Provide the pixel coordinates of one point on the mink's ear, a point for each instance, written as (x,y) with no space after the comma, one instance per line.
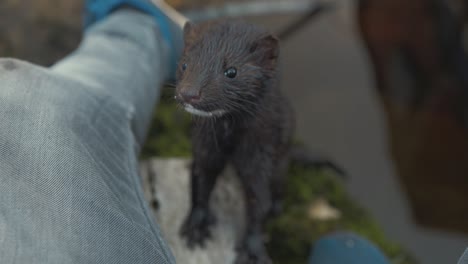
(267,50)
(189,33)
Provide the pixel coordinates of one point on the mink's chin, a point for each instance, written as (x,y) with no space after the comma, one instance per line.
(198,112)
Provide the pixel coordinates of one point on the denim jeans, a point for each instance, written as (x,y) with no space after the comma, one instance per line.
(70,135)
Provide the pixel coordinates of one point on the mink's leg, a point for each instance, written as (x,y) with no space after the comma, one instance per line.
(278,185)
(206,167)
(255,172)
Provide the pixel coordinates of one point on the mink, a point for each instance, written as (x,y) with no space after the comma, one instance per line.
(227,79)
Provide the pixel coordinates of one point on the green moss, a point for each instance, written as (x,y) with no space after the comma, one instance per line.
(169,133)
(292,234)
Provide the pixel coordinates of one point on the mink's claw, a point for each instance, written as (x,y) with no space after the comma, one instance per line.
(197,227)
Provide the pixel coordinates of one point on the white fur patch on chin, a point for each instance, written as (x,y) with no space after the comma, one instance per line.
(189,108)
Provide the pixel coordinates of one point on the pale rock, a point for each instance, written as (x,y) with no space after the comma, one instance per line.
(172,191)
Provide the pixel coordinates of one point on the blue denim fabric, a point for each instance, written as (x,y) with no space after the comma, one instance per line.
(464,258)
(69,139)
(97,10)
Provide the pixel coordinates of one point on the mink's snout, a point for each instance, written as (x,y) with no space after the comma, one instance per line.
(189,96)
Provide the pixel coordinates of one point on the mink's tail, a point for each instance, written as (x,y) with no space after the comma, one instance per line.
(301,155)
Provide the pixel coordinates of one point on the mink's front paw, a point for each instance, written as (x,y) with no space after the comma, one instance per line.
(252,252)
(196,228)
(244,257)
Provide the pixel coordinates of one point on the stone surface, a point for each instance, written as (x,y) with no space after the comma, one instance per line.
(171,181)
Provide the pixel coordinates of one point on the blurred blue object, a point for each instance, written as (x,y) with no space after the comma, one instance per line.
(349,248)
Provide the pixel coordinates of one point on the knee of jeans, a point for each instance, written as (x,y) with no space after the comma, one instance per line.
(8,64)
(38,99)
(23,83)
(15,73)
(31,93)
(19,80)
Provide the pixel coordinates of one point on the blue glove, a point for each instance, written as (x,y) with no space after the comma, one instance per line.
(346,248)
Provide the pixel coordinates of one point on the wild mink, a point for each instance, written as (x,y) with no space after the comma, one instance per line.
(227,78)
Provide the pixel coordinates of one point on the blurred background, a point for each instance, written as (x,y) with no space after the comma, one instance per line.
(381,86)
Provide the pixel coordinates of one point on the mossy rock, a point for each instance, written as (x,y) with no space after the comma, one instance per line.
(292,234)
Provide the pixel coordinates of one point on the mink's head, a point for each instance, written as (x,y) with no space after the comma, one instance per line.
(225,67)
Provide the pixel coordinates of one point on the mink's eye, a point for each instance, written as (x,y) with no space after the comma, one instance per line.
(231,72)
(184,66)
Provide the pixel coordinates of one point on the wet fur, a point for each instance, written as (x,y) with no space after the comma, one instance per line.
(254,134)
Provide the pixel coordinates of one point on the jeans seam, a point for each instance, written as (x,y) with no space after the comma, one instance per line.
(136,178)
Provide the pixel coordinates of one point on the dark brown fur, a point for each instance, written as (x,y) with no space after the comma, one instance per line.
(254,133)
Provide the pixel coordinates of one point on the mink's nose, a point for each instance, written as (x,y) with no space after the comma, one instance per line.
(190,96)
